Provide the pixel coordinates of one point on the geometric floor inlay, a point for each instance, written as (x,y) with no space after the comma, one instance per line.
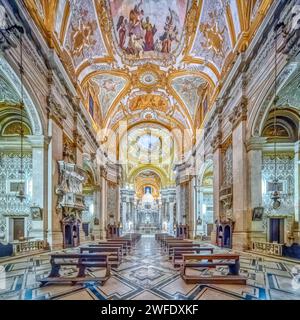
(147,274)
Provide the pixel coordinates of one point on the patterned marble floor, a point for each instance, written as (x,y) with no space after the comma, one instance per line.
(146,274)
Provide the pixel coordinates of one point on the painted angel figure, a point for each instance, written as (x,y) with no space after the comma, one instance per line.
(171,32)
(122,29)
(135,20)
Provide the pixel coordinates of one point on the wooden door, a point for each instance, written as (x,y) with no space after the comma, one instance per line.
(18,228)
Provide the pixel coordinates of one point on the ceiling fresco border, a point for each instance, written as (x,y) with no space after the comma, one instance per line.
(119,96)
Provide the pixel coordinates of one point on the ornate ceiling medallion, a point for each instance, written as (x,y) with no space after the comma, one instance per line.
(148,78)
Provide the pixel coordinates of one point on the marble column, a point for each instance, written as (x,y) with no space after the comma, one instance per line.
(171,217)
(97,213)
(103,206)
(200,202)
(241,213)
(217,181)
(192,207)
(178,204)
(38,180)
(255,188)
(55,153)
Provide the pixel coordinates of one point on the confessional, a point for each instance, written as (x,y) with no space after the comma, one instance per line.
(182,231)
(224,234)
(113,231)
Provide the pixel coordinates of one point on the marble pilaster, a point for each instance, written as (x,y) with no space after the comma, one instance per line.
(241,214)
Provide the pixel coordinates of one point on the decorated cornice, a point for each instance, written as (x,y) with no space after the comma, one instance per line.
(55,111)
(217,141)
(239,113)
(79,140)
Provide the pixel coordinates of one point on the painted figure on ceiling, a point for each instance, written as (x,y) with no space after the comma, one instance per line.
(137,35)
(122,29)
(170,32)
(135,20)
(214,36)
(149,36)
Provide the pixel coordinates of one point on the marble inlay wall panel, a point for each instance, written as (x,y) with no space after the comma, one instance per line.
(10,165)
(112,200)
(227,167)
(184,200)
(285,175)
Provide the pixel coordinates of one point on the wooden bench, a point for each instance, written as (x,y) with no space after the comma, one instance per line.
(177,252)
(159,236)
(126,243)
(164,242)
(190,246)
(81,261)
(196,261)
(165,239)
(182,243)
(109,244)
(115,253)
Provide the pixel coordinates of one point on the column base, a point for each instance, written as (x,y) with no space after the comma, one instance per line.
(55,240)
(241,241)
(213,236)
(82,237)
(96,232)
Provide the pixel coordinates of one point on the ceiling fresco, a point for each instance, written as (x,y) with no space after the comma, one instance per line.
(213,41)
(177,48)
(110,87)
(83,38)
(148,29)
(189,89)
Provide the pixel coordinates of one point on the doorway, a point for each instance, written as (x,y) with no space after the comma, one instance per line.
(18,228)
(276,231)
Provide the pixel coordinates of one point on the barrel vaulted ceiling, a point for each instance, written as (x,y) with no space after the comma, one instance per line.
(148,60)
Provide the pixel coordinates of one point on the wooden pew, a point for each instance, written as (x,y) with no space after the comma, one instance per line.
(81,261)
(115,253)
(110,244)
(190,246)
(182,243)
(165,241)
(196,261)
(127,243)
(159,236)
(179,246)
(177,252)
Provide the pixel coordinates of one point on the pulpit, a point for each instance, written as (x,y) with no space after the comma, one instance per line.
(70,202)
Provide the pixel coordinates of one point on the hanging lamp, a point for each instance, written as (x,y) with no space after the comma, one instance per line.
(21,192)
(275,196)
